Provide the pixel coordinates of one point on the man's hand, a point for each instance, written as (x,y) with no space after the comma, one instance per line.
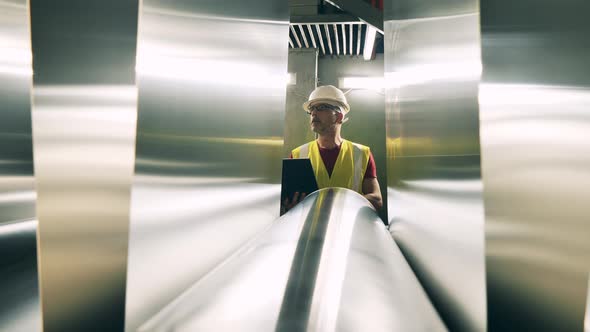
(289,204)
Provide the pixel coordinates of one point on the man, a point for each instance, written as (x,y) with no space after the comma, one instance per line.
(336,162)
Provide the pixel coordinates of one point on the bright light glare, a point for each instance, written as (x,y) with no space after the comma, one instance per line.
(370,83)
(14,60)
(218,72)
(529,94)
(415,75)
(17,56)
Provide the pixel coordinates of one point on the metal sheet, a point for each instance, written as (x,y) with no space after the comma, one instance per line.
(19,293)
(432,71)
(327,265)
(84,111)
(210,140)
(534,102)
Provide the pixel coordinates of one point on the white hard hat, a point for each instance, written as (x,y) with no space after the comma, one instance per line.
(327,94)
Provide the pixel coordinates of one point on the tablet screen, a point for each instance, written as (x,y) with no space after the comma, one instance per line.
(297,176)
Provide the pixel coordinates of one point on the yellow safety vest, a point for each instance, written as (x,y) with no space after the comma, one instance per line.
(348,171)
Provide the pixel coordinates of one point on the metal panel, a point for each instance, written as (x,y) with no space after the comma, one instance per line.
(351,27)
(329,39)
(534,102)
(312,36)
(336,39)
(84,111)
(321,39)
(327,265)
(210,140)
(340,38)
(295,35)
(343,30)
(19,292)
(432,71)
(358,40)
(302,31)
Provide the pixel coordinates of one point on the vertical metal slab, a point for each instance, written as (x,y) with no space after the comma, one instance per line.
(212,79)
(19,293)
(432,71)
(84,111)
(535,120)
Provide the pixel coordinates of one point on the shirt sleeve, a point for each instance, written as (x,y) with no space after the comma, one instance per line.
(371,171)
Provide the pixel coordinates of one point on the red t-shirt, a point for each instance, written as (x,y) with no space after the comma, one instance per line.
(329,157)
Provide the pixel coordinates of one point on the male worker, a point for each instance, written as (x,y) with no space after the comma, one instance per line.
(336,162)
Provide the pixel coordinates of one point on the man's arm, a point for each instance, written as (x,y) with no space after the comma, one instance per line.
(372,192)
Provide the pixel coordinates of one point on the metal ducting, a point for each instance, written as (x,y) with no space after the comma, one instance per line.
(327,265)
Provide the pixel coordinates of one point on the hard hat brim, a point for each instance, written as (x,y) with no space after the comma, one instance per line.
(310,103)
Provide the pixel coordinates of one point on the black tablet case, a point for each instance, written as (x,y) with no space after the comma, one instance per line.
(298,176)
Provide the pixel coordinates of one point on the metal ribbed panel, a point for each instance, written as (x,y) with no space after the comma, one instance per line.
(342,39)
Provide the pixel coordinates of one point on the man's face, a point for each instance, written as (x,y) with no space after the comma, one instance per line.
(323,118)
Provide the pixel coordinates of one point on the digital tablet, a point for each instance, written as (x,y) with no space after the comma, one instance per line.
(297,176)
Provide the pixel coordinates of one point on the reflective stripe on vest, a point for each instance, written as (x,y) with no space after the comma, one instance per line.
(304,151)
(349,169)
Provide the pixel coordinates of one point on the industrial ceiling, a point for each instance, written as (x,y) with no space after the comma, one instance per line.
(337,27)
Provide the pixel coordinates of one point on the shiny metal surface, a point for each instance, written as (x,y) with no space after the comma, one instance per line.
(327,265)
(84,112)
(19,292)
(210,140)
(534,102)
(432,71)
